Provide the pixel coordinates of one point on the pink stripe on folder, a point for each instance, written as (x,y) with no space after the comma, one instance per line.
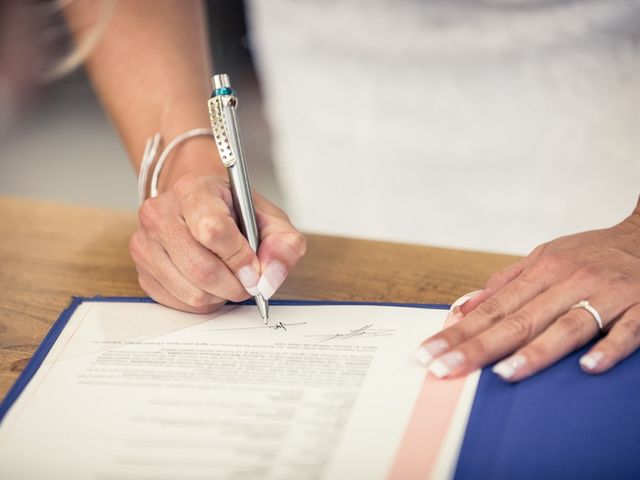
(428,426)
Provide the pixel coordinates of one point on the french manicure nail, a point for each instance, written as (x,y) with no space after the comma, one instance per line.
(272,278)
(455,307)
(591,360)
(508,367)
(427,352)
(444,365)
(249,278)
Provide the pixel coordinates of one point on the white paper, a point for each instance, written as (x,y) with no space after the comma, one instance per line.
(134,390)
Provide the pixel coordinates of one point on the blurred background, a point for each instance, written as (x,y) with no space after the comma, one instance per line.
(60,146)
(514,121)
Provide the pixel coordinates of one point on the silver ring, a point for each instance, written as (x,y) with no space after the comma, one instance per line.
(589,308)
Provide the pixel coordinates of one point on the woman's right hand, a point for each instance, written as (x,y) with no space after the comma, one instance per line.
(190,254)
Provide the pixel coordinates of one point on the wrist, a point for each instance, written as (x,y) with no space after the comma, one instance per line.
(181,150)
(197,156)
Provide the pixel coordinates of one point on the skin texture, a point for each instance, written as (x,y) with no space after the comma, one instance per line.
(188,245)
(151,70)
(524,312)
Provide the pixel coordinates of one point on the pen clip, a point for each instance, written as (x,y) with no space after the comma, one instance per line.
(218,105)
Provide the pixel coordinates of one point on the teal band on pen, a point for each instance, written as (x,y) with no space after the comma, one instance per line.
(223,91)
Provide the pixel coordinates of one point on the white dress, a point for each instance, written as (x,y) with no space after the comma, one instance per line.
(479,124)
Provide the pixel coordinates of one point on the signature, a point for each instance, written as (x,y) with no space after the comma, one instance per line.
(366,331)
(275,326)
(283,325)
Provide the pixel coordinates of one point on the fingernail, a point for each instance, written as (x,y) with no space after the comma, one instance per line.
(249,278)
(508,367)
(455,307)
(427,352)
(271,279)
(591,360)
(444,365)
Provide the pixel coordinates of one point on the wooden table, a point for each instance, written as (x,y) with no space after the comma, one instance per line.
(50,252)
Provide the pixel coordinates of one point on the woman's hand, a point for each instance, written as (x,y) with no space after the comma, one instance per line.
(190,254)
(188,250)
(525,311)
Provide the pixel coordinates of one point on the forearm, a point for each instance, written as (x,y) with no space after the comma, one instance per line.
(151,69)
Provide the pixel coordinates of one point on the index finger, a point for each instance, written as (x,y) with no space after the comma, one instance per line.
(504,302)
(211,223)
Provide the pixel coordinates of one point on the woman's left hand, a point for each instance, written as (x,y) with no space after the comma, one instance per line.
(525,312)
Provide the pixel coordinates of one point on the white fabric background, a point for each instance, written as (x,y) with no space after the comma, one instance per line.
(480,124)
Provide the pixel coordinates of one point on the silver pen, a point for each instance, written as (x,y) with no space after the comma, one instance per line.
(222,113)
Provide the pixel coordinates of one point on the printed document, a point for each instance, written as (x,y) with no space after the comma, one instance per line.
(138,391)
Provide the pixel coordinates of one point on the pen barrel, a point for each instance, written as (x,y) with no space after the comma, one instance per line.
(240,184)
(243,205)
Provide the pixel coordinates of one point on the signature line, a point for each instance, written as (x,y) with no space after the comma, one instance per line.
(276,326)
(365,331)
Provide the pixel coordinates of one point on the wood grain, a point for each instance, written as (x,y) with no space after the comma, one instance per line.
(50,252)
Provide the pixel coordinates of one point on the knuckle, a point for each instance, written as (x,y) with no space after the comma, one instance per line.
(586,273)
(211,229)
(538,250)
(148,214)
(224,191)
(572,327)
(456,334)
(494,279)
(548,263)
(630,329)
(453,335)
(197,298)
(492,308)
(519,325)
(479,350)
(626,282)
(203,273)
(298,243)
(613,344)
(241,255)
(527,280)
(536,353)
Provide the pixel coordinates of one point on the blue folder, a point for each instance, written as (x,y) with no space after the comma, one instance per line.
(559,424)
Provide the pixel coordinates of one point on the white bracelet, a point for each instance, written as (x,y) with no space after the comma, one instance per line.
(149,156)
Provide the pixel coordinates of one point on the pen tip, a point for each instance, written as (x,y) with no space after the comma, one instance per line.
(263,307)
